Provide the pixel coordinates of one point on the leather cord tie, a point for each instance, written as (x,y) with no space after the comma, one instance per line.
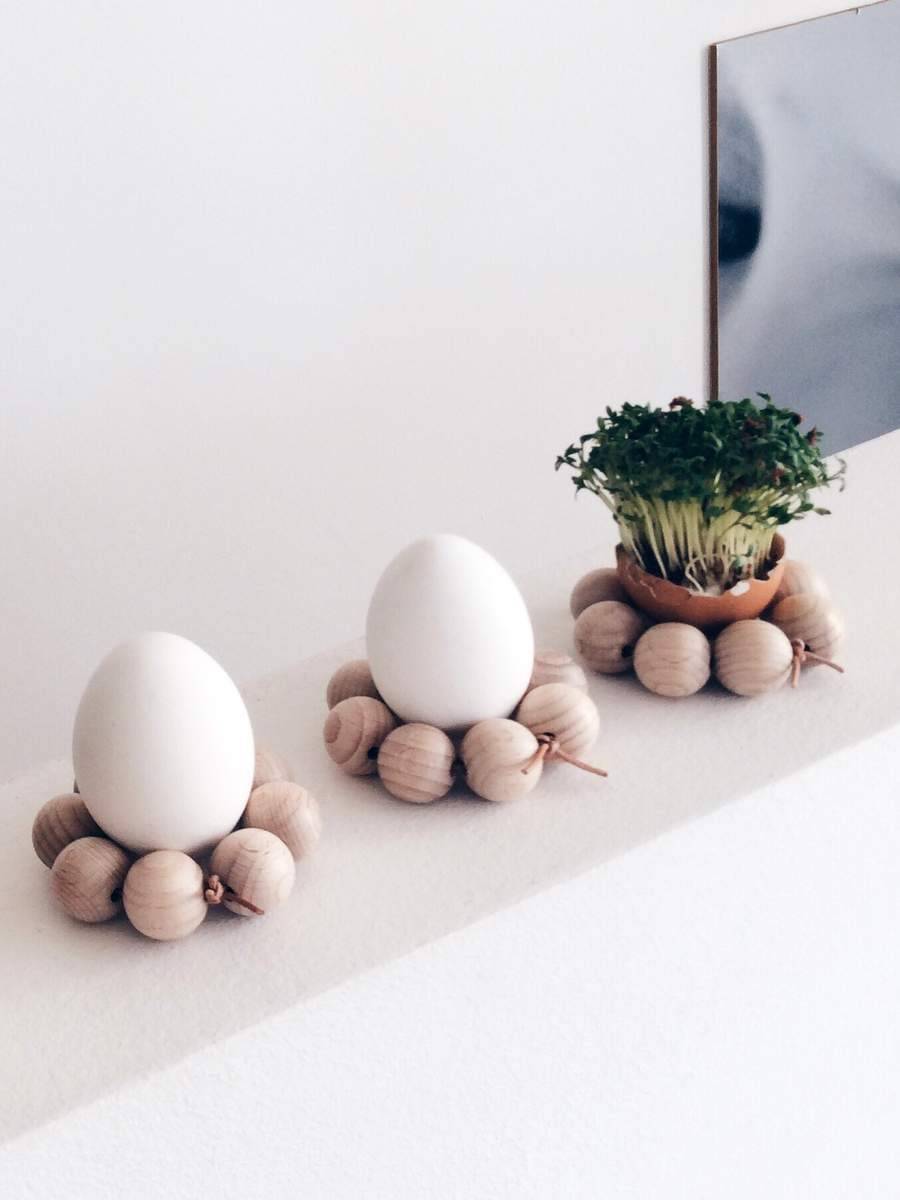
(549,748)
(217,893)
(803,656)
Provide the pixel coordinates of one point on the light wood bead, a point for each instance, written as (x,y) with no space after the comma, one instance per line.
(606,634)
(812,619)
(799,579)
(552,666)
(59,822)
(752,657)
(352,679)
(164,895)
(354,730)
(415,763)
(268,767)
(564,711)
(494,752)
(672,659)
(602,584)
(289,812)
(87,878)
(255,865)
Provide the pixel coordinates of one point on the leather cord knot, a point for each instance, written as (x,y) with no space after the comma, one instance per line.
(549,748)
(803,655)
(216,892)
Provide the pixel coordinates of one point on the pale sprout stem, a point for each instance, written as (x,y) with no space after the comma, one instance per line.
(677,536)
(651,536)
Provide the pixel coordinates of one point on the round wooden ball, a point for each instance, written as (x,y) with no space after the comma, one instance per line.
(799,579)
(672,659)
(811,618)
(563,711)
(415,763)
(494,752)
(752,657)
(164,895)
(605,636)
(552,666)
(602,584)
(255,865)
(287,810)
(354,730)
(268,767)
(59,822)
(87,879)
(352,679)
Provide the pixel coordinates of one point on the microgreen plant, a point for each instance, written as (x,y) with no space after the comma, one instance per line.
(698,493)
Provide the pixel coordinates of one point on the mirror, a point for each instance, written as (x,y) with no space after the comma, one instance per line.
(805,179)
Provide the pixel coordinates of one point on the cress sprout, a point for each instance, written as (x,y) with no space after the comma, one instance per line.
(699,493)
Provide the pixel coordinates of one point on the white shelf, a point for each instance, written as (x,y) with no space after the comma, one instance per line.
(84,1010)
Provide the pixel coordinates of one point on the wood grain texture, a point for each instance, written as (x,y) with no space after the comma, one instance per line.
(752,657)
(494,752)
(354,678)
(811,618)
(554,666)
(415,763)
(606,634)
(268,767)
(602,584)
(164,895)
(288,811)
(255,865)
(672,659)
(354,730)
(563,711)
(60,821)
(799,579)
(87,879)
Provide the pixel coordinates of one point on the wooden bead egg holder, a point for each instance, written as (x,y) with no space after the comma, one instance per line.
(675,658)
(166,894)
(501,758)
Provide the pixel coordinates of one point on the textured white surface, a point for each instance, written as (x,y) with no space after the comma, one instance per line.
(710,1016)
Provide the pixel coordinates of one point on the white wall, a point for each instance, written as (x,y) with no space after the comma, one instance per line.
(285,285)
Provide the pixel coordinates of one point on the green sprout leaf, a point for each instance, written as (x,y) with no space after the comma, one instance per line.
(699,492)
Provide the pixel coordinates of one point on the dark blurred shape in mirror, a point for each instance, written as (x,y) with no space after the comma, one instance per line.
(807,162)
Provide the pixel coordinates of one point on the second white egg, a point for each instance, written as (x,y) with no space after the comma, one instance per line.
(449,638)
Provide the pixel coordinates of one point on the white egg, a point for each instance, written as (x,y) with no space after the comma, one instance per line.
(163,747)
(449,637)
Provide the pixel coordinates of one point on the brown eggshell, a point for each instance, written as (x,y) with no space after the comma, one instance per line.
(667,601)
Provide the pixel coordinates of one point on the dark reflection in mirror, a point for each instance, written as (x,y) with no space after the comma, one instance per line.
(807,175)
